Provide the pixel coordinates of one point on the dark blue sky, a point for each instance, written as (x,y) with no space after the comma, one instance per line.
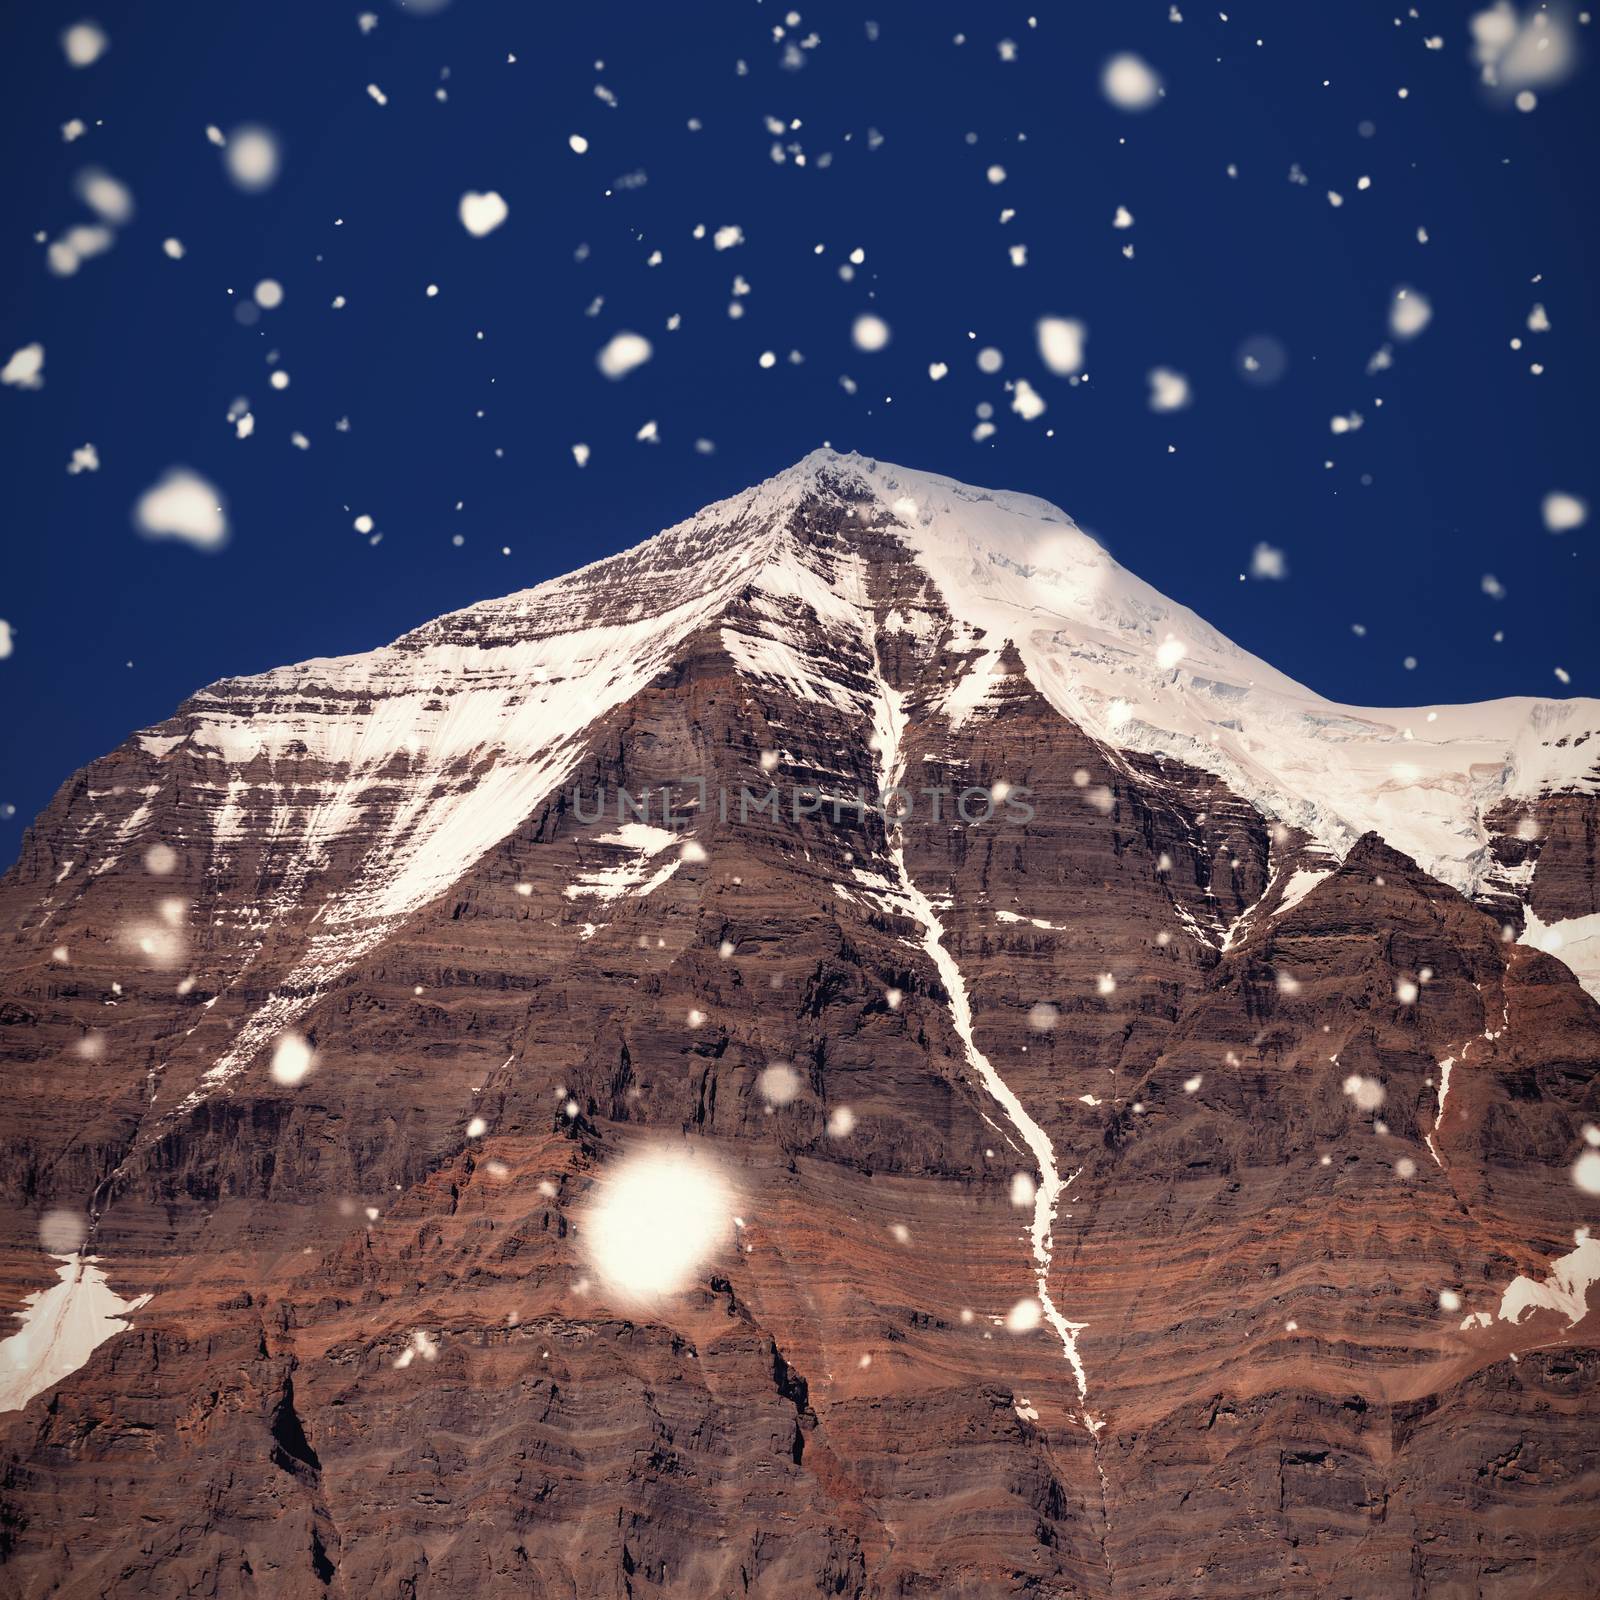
(145,355)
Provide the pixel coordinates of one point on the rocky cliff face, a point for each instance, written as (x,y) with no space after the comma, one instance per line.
(1140,1156)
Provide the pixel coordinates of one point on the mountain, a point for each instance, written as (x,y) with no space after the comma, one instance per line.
(854,1048)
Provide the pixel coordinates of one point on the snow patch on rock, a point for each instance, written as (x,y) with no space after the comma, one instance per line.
(1574,941)
(61,1328)
(1566,1290)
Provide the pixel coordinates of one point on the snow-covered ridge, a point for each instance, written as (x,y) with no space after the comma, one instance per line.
(1141,672)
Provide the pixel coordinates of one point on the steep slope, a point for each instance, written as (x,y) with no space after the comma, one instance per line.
(1169,1193)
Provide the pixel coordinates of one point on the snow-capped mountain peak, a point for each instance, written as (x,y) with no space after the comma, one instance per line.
(382,777)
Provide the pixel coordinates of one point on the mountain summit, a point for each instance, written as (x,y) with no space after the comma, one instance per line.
(852,1048)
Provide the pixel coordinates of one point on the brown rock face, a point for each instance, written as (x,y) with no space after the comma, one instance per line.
(1137,1172)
